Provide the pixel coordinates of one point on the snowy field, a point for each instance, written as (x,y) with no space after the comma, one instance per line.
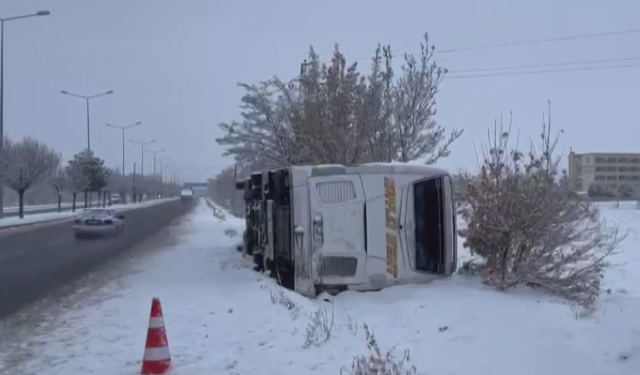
(51,216)
(221,319)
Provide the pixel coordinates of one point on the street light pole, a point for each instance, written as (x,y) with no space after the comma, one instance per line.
(161,171)
(124,129)
(155,153)
(2,21)
(142,144)
(87,98)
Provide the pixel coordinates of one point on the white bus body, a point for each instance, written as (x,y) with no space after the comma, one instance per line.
(361,227)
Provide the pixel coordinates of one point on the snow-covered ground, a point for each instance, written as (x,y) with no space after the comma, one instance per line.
(221,319)
(51,216)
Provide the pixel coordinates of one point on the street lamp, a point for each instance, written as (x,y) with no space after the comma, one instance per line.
(163,166)
(166,169)
(142,144)
(2,21)
(87,98)
(155,153)
(124,129)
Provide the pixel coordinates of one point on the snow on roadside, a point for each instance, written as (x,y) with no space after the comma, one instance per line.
(51,216)
(35,218)
(223,318)
(36,207)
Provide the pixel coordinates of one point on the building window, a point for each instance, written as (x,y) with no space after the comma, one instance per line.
(635,160)
(612,169)
(612,178)
(600,178)
(601,169)
(612,160)
(625,169)
(599,160)
(623,160)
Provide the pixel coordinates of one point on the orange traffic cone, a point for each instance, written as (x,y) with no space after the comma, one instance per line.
(157,358)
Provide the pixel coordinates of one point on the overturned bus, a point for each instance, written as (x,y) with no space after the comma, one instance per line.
(357,227)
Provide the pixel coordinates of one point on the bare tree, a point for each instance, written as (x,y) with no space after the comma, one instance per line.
(333,114)
(529,228)
(330,126)
(32,162)
(264,137)
(5,157)
(418,133)
(60,182)
(222,190)
(377,106)
(78,180)
(117,184)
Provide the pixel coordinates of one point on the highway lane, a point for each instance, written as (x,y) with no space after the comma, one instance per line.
(36,260)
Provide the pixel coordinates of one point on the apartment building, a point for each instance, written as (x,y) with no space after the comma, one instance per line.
(607,169)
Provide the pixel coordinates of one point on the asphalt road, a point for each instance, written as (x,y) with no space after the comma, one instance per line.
(39,258)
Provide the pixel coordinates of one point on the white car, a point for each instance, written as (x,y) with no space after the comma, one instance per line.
(186,195)
(99,222)
(116,199)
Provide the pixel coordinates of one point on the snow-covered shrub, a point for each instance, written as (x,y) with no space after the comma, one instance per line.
(218,213)
(352,324)
(280,298)
(377,363)
(319,328)
(532,230)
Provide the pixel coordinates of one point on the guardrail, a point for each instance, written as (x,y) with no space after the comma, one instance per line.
(43,209)
(11,220)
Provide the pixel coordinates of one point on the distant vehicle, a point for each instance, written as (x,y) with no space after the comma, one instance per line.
(116,198)
(94,223)
(186,195)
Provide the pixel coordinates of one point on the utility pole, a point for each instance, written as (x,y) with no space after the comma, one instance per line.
(234,193)
(155,153)
(124,129)
(133,189)
(2,21)
(142,144)
(162,167)
(87,98)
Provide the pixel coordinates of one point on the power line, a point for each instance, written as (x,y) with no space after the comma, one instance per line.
(529,42)
(545,71)
(533,42)
(609,64)
(540,41)
(546,65)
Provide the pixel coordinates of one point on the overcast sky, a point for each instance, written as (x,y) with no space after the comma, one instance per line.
(173,65)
